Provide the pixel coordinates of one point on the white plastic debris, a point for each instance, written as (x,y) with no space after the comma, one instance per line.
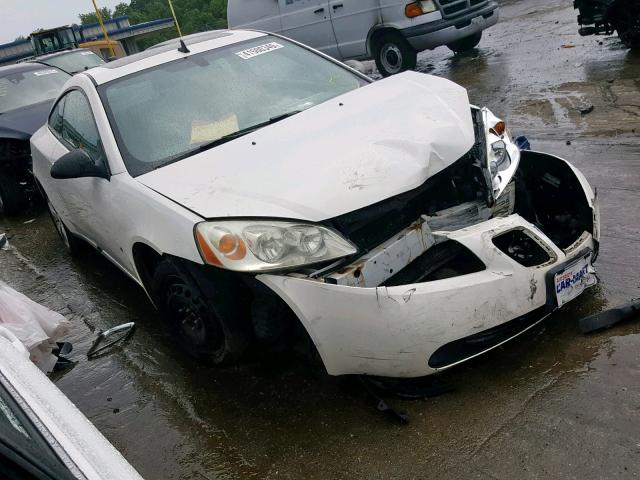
(36,326)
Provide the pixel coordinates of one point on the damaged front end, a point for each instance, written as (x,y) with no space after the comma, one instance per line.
(473,257)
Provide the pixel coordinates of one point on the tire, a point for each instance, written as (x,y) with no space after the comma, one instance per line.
(625,18)
(630,35)
(72,243)
(12,198)
(393,54)
(207,331)
(465,44)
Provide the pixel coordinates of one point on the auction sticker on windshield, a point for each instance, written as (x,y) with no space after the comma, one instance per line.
(259,50)
(574,279)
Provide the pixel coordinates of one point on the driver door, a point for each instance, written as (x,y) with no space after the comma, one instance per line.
(83,203)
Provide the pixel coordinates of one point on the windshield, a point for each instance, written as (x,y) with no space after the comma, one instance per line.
(21,89)
(171,111)
(74,62)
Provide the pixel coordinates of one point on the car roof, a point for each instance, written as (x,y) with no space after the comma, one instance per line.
(59,54)
(167,52)
(23,67)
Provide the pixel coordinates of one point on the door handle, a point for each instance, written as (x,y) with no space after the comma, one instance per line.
(320,10)
(337,6)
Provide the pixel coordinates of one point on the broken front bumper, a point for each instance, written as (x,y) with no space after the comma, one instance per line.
(418,329)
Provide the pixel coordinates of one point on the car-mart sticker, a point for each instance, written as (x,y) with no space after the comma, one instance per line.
(259,50)
(45,72)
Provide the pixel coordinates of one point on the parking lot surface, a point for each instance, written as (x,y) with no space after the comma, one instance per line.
(554,403)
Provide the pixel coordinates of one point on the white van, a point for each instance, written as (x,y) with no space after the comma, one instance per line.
(389,31)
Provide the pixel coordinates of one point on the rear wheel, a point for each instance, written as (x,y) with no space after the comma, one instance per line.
(204,330)
(393,54)
(12,198)
(465,44)
(72,243)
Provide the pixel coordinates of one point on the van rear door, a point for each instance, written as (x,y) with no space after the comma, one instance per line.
(352,20)
(309,22)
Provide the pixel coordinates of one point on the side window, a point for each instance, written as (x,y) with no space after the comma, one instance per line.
(55,119)
(79,128)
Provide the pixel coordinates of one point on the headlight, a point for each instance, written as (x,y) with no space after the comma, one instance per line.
(503,156)
(256,246)
(500,159)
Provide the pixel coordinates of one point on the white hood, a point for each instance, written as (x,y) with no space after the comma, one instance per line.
(352,151)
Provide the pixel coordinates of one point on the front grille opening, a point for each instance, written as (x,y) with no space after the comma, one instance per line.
(444,260)
(453,9)
(522,248)
(474,344)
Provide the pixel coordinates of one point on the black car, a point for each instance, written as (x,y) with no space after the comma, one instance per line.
(27,91)
(71,61)
(604,17)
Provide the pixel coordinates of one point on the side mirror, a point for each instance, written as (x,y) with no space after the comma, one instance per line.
(77,164)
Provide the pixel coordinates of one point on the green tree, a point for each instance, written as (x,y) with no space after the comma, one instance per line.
(91,17)
(193,16)
(120,10)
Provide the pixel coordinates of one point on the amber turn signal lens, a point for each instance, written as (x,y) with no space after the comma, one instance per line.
(206,251)
(499,128)
(413,10)
(232,247)
(228,244)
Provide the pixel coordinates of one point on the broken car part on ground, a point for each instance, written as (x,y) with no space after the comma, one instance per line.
(307,200)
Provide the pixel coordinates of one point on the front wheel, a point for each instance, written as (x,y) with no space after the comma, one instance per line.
(465,44)
(12,198)
(205,331)
(393,54)
(72,243)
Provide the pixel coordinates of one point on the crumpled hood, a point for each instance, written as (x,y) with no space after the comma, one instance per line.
(350,152)
(20,124)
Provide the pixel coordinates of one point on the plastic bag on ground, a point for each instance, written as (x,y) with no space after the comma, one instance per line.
(36,326)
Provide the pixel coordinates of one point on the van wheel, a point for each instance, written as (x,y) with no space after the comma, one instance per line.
(72,243)
(200,328)
(12,198)
(465,44)
(393,54)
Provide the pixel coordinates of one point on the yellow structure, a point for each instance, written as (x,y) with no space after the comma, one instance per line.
(107,49)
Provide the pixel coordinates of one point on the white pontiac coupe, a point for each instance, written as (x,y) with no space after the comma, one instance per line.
(252,185)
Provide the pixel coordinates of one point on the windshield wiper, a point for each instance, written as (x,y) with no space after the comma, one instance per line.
(227,138)
(245,131)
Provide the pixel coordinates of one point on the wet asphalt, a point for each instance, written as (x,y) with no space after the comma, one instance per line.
(554,403)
